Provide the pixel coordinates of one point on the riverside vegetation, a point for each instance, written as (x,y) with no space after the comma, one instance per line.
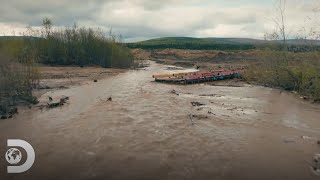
(289,70)
(19,57)
(298,72)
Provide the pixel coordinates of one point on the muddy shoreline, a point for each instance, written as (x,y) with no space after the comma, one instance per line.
(63,77)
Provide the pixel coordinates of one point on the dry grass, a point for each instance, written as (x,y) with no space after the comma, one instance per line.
(291,71)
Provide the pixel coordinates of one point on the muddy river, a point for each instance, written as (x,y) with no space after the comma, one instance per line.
(148,132)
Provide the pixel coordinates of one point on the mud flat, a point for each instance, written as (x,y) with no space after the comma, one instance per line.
(66,77)
(148,132)
(201,58)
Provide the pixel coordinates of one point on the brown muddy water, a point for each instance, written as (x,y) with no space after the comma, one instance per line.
(146,132)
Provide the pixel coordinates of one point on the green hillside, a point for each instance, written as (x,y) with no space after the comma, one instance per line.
(220,44)
(193,43)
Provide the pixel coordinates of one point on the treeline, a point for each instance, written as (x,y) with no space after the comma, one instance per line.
(20,55)
(79,46)
(293,45)
(295,48)
(272,45)
(18,75)
(192,46)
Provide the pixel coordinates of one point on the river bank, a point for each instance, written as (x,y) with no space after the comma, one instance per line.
(62,77)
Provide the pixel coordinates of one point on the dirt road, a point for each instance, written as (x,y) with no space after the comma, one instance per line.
(148,132)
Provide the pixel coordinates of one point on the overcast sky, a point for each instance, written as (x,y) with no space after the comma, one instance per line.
(144,19)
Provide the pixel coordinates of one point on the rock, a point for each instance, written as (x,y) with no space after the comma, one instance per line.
(318,142)
(110,98)
(95,80)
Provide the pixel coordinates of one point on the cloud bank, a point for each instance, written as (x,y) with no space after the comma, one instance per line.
(143,19)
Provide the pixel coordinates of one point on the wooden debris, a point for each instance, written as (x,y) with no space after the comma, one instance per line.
(64,99)
(190,117)
(197,104)
(54,104)
(175,92)
(61,102)
(200,116)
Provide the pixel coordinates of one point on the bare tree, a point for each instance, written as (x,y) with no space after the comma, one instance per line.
(47,25)
(280,32)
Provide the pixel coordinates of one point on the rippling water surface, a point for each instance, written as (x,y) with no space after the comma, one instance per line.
(146,132)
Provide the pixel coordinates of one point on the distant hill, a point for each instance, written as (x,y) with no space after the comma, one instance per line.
(216,43)
(5,38)
(296,45)
(192,43)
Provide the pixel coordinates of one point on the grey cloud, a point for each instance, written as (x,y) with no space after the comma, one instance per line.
(61,11)
(142,19)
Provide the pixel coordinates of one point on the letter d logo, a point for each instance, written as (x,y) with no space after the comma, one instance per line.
(14,156)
